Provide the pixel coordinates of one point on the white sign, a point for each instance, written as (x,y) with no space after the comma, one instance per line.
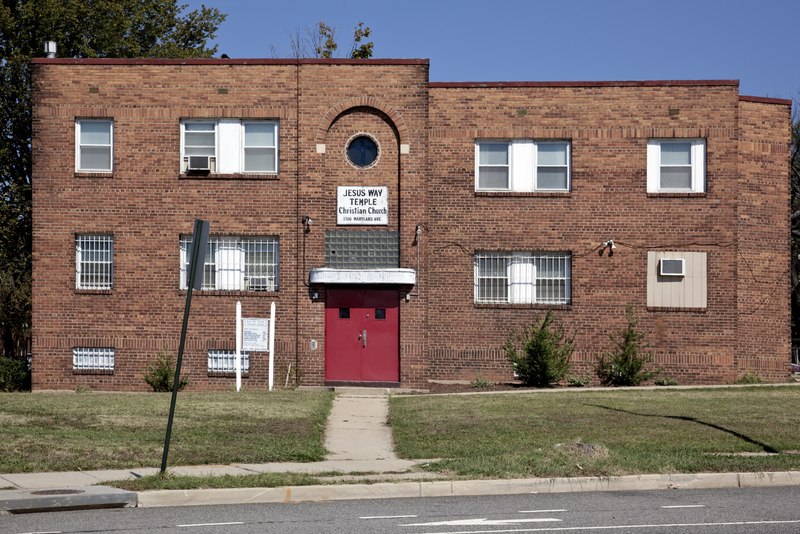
(255,335)
(362,205)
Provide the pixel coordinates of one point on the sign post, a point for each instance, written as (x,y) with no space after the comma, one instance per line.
(238,356)
(258,335)
(195,281)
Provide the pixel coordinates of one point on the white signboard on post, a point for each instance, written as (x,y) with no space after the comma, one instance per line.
(255,335)
(362,205)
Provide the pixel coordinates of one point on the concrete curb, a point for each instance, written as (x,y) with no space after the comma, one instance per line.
(389,490)
(55,500)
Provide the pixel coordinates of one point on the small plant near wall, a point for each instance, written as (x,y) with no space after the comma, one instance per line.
(576,381)
(625,364)
(481,383)
(748,378)
(541,353)
(665,381)
(161,373)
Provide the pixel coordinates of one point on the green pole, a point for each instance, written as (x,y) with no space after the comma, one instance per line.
(196,255)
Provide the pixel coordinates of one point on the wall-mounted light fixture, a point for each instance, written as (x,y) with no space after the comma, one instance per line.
(307,222)
(610,246)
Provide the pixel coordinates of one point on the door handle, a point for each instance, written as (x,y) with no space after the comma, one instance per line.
(363,338)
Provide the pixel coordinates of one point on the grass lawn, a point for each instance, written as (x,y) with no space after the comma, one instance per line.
(71,431)
(579,433)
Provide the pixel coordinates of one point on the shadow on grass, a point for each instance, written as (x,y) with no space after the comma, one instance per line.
(747,439)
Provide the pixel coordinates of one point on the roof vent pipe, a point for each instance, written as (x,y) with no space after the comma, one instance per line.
(50,49)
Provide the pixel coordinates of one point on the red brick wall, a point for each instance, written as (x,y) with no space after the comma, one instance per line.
(764,342)
(609,127)
(146,204)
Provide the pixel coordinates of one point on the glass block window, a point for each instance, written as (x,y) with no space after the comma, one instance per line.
(235,263)
(93,359)
(94,261)
(224,361)
(522,278)
(356,249)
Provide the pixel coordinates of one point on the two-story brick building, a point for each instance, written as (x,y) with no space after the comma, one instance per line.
(403,227)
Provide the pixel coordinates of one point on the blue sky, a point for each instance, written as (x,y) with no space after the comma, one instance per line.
(508,40)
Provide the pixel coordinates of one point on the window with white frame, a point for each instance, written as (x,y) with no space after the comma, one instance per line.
(224,361)
(676,166)
(229,146)
(522,165)
(94,145)
(522,278)
(92,359)
(94,261)
(235,263)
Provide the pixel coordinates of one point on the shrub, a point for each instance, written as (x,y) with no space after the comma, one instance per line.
(541,353)
(748,378)
(665,381)
(13,374)
(481,383)
(624,365)
(161,373)
(575,381)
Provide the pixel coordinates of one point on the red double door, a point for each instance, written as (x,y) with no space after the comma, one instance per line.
(362,335)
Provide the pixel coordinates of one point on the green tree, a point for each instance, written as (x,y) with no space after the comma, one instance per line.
(81,28)
(319,41)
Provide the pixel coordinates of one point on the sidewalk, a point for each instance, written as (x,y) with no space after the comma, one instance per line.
(358,441)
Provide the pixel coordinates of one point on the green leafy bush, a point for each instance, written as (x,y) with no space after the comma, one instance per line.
(624,365)
(161,374)
(481,383)
(748,378)
(575,381)
(540,353)
(14,375)
(665,381)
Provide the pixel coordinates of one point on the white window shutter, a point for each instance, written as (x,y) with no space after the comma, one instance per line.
(523,154)
(699,166)
(229,144)
(653,166)
(521,279)
(230,265)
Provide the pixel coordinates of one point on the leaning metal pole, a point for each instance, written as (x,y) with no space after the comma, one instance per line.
(197,246)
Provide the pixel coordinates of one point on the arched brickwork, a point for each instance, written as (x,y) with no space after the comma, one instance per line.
(359,102)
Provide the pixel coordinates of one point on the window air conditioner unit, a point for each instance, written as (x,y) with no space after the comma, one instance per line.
(199,163)
(671,267)
(261,283)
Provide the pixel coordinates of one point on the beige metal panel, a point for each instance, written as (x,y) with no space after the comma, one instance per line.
(688,291)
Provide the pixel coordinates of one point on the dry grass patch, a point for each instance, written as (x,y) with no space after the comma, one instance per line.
(569,433)
(72,431)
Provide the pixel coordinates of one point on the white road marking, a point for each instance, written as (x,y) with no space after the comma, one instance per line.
(388,516)
(482,521)
(621,527)
(685,506)
(211,524)
(542,511)
(44,532)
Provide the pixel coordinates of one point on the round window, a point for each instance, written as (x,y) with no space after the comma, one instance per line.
(362,151)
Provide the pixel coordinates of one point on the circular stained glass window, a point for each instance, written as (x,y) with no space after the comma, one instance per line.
(362,151)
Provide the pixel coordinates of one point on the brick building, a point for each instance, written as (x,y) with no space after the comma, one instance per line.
(403,227)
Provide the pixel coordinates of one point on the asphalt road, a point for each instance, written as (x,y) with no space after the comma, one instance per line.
(763,510)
